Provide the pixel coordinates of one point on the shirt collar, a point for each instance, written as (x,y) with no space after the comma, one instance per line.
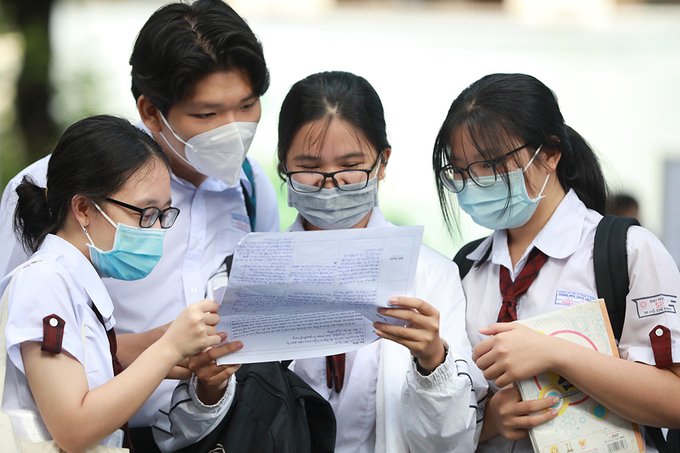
(79,268)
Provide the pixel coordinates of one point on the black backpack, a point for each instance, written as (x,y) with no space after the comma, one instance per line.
(610,261)
(274,411)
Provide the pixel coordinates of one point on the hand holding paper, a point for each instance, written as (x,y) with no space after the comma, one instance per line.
(315,293)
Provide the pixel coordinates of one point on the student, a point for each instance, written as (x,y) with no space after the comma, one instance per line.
(198,72)
(332,151)
(103,213)
(518,169)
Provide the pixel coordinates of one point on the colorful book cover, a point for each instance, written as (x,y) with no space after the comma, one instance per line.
(583,425)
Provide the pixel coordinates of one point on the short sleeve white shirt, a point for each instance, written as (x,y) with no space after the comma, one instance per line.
(385,405)
(568,278)
(63,283)
(212,220)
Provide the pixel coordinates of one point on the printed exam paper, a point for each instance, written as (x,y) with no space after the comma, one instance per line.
(307,294)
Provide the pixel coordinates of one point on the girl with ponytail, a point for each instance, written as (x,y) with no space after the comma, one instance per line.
(516,168)
(103,213)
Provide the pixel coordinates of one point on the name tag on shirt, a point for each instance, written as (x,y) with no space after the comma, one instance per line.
(569,298)
(240,221)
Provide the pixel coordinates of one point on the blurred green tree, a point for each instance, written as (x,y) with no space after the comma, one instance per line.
(35,126)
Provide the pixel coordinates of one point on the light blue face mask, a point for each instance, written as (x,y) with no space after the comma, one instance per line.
(135,251)
(487,205)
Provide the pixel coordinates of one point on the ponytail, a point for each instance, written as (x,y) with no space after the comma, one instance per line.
(579,169)
(94,158)
(32,219)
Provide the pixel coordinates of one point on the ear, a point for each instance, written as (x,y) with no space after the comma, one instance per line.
(552,158)
(149,114)
(387,152)
(82,209)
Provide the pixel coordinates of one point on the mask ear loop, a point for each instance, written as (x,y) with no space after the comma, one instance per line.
(540,194)
(178,138)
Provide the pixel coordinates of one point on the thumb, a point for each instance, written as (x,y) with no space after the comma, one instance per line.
(497,328)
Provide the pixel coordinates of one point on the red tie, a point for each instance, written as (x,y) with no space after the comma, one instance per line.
(512,290)
(117,369)
(335,371)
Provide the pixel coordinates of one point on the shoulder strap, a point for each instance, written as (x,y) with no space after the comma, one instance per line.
(610,260)
(464,264)
(249,197)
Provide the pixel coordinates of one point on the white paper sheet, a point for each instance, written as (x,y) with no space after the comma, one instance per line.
(307,294)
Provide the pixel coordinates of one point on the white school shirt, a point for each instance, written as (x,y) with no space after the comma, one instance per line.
(568,278)
(66,284)
(212,220)
(385,405)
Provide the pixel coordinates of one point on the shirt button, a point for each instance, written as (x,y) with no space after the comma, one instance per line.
(54,322)
(659,332)
(196,244)
(194,290)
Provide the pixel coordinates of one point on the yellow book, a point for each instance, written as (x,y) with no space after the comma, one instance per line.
(583,424)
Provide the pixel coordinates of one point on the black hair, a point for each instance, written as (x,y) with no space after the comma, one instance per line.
(93,158)
(181,44)
(499,109)
(328,95)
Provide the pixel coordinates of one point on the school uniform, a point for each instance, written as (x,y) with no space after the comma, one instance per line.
(386,405)
(568,278)
(62,284)
(212,221)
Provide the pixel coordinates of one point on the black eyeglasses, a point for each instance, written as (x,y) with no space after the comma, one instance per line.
(345,180)
(483,173)
(151,214)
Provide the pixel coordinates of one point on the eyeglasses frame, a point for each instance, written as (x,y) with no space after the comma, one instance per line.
(332,174)
(159,216)
(492,162)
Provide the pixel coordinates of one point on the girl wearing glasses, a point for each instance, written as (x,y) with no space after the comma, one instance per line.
(103,214)
(415,392)
(516,168)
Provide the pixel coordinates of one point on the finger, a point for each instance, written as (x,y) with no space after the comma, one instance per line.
(405,333)
(224,349)
(214,339)
(208,306)
(415,303)
(211,319)
(497,328)
(541,404)
(482,348)
(410,316)
(529,421)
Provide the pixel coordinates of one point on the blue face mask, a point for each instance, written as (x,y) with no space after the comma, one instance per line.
(491,208)
(135,251)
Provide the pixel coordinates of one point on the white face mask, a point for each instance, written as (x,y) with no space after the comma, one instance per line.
(218,153)
(334,209)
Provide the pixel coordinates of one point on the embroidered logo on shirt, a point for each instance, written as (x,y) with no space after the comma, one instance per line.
(655,305)
(570,298)
(240,221)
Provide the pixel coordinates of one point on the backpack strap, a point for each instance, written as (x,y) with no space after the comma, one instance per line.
(249,196)
(465,264)
(610,260)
